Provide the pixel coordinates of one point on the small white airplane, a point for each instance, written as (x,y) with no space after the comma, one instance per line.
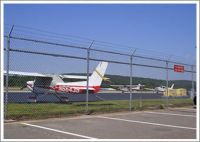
(160,88)
(50,83)
(127,87)
(163,88)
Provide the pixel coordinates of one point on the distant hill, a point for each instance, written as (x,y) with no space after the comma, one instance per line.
(148,82)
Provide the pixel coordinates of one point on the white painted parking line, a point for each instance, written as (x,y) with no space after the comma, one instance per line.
(58,131)
(162,113)
(143,122)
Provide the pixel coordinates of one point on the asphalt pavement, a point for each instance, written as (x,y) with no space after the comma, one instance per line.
(22,97)
(173,123)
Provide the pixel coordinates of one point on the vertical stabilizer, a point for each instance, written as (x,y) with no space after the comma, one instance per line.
(98,74)
(172,86)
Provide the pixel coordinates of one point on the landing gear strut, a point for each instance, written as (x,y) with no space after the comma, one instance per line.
(62,98)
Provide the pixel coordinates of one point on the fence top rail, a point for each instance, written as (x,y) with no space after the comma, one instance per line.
(98,50)
(93,59)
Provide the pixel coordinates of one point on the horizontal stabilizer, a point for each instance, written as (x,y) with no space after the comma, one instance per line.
(73,76)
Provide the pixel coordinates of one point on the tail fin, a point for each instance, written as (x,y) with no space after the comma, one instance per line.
(98,74)
(172,86)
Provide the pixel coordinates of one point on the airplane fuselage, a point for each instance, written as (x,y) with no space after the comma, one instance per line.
(61,88)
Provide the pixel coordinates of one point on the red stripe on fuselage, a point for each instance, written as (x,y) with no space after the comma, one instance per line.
(69,88)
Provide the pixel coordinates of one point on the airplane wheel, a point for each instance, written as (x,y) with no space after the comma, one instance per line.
(32,99)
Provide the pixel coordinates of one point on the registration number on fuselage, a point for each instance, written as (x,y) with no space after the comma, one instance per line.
(67,89)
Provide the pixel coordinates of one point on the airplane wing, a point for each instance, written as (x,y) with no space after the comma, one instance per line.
(45,75)
(26,74)
(149,89)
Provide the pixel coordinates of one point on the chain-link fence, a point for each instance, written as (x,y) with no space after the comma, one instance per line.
(53,75)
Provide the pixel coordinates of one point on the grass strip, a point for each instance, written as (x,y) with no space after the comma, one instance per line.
(26,111)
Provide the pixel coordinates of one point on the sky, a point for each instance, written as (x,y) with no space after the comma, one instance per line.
(165,29)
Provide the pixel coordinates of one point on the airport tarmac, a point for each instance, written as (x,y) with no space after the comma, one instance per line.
(173,123)
(22,97)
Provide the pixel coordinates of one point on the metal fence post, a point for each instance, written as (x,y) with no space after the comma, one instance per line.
(7,73)
(167,83)
(88,68)
(131,79)
(140,100)
(7,77)
(192,91)
(130,101)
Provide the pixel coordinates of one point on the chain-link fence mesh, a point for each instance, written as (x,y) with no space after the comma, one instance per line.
(48,76)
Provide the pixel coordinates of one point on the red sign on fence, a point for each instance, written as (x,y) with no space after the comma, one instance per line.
(178,68)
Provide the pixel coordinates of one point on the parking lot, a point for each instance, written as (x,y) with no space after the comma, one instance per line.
(173,123)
